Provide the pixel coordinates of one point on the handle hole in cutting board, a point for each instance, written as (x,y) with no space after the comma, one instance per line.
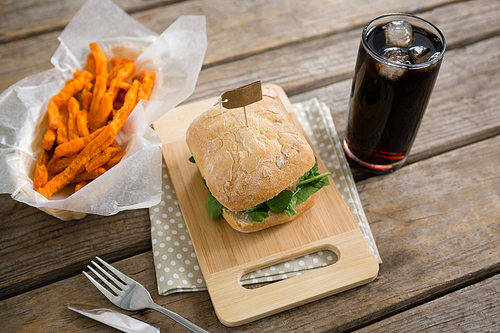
(288,269)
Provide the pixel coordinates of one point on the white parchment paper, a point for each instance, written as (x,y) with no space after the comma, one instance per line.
(176,56)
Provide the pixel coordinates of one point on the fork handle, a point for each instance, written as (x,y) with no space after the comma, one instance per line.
(183,321)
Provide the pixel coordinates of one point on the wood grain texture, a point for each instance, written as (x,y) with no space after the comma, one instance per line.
(235,305)
(318,62)
(21,19)
(33,241)
(270,26)
(472,309)
(45,309)
(445,126)
(435,221)
(28,17)
(431,245)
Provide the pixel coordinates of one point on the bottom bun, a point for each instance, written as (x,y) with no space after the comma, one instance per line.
(242,222)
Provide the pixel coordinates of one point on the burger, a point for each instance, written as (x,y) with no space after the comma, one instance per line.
(258,167)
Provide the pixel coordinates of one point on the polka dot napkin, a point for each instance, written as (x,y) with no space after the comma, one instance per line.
(176,265)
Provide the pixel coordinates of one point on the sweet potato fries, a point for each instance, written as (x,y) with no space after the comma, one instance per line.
(84,119)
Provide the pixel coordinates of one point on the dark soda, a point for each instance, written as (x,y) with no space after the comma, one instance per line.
(390,91)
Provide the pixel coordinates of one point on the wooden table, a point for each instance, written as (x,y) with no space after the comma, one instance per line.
(436,221)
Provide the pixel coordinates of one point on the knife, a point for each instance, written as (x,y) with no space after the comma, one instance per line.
(114,319)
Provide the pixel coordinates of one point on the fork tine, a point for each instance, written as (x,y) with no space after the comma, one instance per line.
(103,290)
(119,284)
(109,284)
(122,276)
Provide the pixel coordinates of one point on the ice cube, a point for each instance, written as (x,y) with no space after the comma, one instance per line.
(396,56)
(435,56)
(398,33)
(420,54)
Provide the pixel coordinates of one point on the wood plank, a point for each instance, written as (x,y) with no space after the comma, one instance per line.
(447,124)
(271,25)
(21,19)
(430,244)
(327,60)
(38,249)
(33,314)
(277,23)
(472,309)
(295,67)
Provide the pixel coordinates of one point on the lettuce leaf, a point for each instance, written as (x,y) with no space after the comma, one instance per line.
(305,189)
(214,208)
(311,182)
(258,213)
(280,202)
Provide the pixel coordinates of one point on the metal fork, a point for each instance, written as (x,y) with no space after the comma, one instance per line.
(131,295)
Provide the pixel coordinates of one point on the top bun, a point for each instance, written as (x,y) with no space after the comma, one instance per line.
(245,166)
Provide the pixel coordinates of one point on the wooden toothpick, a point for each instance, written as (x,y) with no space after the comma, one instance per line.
(245,112)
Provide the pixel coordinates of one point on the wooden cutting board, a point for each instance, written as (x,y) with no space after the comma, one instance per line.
(225,255)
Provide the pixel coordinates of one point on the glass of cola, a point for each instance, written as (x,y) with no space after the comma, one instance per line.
(397,66)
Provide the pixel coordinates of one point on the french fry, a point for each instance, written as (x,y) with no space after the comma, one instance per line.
(62,128)
(81,184)
(54,164)
(73,110)
(76,74)
(113,89)
(75,146)
(53,110)
(99,91)
(90,67)
(41,176)
(101,142)
(85,175)
(83,93)
(126,71)
(128,105)
(114,160)
(101,117)
(48,139)
(101,61)
(86,101)
(146,86)
(75,86)
(57,164)
(117,64)
(123,75)
(102,158)
(81,123)
(139,76)
(124,86)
